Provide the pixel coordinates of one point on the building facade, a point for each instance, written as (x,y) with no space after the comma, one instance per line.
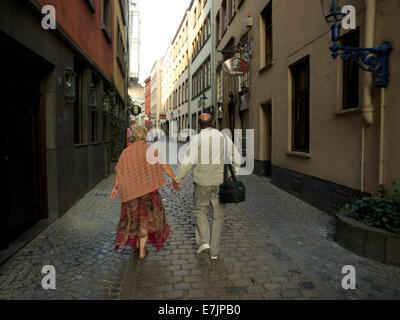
(318,122)
(187,69)
(53,89)
(121,69)
(201,59)
(147,102)
(134,39)
(156,77)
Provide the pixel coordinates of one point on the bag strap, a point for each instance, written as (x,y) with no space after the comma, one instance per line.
(227,164)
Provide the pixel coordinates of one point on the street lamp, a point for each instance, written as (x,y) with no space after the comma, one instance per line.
(203,99)
(375,60)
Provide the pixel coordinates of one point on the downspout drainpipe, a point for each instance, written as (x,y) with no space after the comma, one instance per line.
(367,108)
(382,136)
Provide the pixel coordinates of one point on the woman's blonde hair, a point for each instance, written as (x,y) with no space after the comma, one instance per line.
(139,133)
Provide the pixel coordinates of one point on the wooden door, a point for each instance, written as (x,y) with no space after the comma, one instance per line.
(22,131)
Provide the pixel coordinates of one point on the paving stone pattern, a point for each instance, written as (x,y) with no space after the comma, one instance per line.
(80,247)
(274,246)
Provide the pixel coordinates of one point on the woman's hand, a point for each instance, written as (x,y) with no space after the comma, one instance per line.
(176,186)
(114,194)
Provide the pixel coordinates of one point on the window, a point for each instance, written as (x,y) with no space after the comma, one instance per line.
(106,18)
(198,8)
(187,90)
(91,5)
(208,24)
(217,26)
(122,4)
(351,72)
(78,113)
(266,23)
(232,8)
(301,106)
(94,109)
(105,127)
(209,73)
(224,17)
(121,51)
(201,79)
(202,37)
(220,86)
(94,125)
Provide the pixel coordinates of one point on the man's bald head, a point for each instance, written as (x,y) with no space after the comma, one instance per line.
(206,121)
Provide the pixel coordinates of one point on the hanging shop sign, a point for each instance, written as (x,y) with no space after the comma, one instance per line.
(236,67)
(163,116)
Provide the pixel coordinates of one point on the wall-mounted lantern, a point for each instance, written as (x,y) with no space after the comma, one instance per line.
(136,110)
(375,60)
(203,100)
(92,97)
(220,106)
(69,85)
(106,103)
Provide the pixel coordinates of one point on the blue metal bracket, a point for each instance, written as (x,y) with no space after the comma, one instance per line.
(375,60)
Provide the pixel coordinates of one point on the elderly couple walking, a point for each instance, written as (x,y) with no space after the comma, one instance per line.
(137,182)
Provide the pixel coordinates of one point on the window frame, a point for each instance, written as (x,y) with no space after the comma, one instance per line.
(106,25)
(349,79)
(295,70)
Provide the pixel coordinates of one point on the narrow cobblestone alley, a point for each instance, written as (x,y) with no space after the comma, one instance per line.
(274,246)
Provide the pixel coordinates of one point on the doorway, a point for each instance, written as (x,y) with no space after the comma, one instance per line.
(23,152)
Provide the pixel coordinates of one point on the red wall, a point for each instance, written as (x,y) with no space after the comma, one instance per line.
(147,96)
(84,27)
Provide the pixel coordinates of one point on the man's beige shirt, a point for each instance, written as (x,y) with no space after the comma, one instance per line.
(206,152)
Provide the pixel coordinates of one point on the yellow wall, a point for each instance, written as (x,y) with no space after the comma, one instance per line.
(119,77)
(335,137)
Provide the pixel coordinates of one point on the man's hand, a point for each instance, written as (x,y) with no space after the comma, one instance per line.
(114,194)
(176,186)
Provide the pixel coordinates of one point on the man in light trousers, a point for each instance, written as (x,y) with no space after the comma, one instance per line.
(206,152)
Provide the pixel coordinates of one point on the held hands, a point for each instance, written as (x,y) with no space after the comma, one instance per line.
(114,194)
(176,186)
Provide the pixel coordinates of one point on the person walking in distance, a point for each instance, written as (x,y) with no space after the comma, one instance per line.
(207,151)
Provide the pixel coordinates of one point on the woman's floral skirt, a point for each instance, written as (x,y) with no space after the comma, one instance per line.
(144,213)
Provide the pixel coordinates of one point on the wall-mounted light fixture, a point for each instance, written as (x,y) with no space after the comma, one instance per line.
(203,100)
(92,97)
(220,106)
(106,103)
(375,60)
(69,85)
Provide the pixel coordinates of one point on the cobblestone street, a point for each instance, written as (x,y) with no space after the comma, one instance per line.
(274,246)
(80,247)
